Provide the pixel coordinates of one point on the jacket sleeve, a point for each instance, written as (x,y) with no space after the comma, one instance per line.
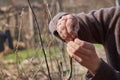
(104,72)
(95,26)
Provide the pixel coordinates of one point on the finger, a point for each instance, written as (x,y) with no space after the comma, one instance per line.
(64,17)
(70,26)
(69,51)
(63,34)
(79,49)
(73,45)
(61,21)
(78,56)
(61,29)
(70,21)
(69,16)
(83,44)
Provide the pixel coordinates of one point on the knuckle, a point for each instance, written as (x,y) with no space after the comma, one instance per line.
(63,17)
(59,21)
(72,55)
(76,50)
(70,42)
(70,31)
(76,40)
(70,16)
(82,44)
(69,22)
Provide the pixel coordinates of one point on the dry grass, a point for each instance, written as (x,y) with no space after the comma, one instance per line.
(35,69)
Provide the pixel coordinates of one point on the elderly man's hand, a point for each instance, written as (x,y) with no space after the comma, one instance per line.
(67,27)
(84,53)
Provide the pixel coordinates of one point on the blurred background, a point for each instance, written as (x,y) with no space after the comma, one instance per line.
(22,54)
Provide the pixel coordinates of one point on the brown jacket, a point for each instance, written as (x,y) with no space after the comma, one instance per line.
(103,27)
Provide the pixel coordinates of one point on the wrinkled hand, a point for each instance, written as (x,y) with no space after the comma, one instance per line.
(84,53)
(67,27)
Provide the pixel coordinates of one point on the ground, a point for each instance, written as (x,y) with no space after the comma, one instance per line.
(34,68)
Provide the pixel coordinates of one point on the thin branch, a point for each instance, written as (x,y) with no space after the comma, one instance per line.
(18,40)
(16,48)
(40,39)
(70,76)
